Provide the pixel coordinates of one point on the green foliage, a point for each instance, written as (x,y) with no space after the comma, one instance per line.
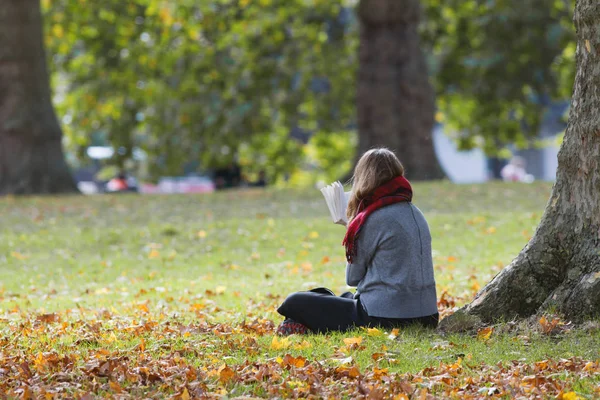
(184,80)
(332,154)
(211,80)
(499,64)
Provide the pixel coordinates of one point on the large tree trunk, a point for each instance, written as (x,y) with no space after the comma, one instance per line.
(559,270)
(395,99)
(31,156)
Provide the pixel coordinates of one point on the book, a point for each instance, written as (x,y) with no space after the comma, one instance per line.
(337,202)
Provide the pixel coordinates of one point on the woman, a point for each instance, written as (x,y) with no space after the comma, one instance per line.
(388,248)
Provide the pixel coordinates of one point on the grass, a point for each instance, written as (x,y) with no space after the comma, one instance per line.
(198,279)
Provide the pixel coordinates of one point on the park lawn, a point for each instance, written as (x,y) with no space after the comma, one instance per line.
(158,296)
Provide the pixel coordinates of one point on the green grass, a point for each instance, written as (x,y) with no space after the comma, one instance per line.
(185,273)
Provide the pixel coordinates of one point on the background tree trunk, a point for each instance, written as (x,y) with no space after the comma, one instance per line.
(31,156)
(559,270)
(395,101)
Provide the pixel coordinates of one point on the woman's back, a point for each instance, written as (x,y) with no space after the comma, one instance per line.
(393,268)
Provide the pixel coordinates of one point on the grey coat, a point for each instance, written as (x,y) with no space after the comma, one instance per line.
(393,267)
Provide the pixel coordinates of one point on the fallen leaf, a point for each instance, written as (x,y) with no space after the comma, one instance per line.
(353,340)
(154,254)
(297,362)
(220,289)
(374,332)
(278,344)
(226,374)
(185,395)
(484,334)
(394,334)
(115,386)
(18,256)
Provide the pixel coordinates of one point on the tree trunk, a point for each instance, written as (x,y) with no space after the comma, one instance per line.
(395,101)
(559,270)
(31,155)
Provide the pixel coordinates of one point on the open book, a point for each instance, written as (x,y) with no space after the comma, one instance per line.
(337,201)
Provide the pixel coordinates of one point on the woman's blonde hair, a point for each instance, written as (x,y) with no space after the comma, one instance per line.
(375,167)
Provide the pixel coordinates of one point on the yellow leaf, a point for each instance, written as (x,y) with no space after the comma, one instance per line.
(220,289)
(353,340)
(185,395)
(201,234)
(313,235)
(165,16)
(303,345)
(373,332)
(58,31)
(568,396)
(485,333)
(491,230)
(154,254)
(278,344)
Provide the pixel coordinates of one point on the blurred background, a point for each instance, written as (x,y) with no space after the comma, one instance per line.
(193,96)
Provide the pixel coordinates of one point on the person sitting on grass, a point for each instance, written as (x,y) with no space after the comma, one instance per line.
(388,248)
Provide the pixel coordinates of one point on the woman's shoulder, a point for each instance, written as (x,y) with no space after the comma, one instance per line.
(389,214)
(397,213)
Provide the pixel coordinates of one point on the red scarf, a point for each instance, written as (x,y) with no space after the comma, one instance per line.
(394,191)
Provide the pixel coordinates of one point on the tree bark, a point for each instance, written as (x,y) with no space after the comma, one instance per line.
(559,269)
(31,155)
(395,101)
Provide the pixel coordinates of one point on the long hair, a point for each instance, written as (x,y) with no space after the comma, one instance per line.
(375,167)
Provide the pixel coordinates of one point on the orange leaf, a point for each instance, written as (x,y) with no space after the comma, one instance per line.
(226,374)
(353,340)
(354,372)
(297,362)
(154,254)
(394,334)
(115,386)
(18,255)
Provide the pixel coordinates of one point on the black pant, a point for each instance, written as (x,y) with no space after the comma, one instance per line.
(321,311)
